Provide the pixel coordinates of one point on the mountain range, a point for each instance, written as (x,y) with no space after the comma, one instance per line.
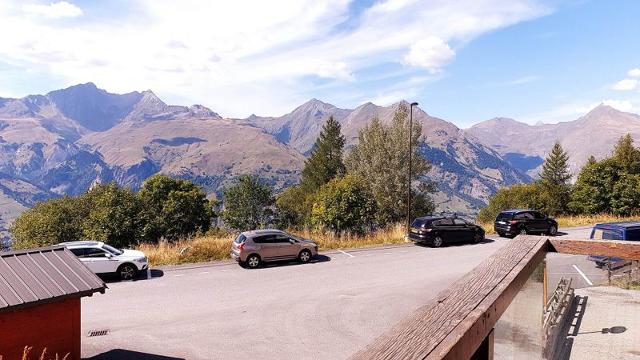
(67,140)
(525,146)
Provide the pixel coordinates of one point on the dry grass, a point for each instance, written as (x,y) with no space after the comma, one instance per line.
(210,248)
(43,355)
(576,220)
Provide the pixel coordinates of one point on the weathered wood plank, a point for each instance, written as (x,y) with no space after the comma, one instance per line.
(624,249)
(458,320)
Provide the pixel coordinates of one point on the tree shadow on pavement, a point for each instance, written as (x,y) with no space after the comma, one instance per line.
(121,354)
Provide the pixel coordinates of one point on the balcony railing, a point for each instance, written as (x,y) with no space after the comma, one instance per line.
(459,323)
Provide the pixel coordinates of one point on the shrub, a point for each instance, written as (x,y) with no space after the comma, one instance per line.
(344,204)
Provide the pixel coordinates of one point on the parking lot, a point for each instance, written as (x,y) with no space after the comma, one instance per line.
(327,309)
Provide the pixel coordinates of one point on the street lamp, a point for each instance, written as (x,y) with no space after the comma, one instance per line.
(409,173)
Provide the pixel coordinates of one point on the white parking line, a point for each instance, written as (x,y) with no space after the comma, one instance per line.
(178,275)
(346,253)
(204,272)
(583,275)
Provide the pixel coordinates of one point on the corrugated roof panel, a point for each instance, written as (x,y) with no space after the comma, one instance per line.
(15,281)
(80,269)
(40,275)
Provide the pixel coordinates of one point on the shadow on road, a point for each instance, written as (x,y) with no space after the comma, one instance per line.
(572,326)
(120,354)
(142,275)
(456,244)
(315,260)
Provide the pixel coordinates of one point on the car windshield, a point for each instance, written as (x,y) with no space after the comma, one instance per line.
(112,250)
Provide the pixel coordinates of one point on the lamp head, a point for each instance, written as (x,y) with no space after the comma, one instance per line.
(414,104)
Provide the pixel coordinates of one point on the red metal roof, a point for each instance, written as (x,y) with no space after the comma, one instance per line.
(32,276)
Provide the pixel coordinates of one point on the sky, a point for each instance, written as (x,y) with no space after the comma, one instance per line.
(464,61)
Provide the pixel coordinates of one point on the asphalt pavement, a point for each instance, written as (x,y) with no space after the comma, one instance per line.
(327,309)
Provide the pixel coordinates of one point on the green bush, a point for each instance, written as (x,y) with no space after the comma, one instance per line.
(247,204)
(164,208)
(49,222)
(173,208)
(344,204)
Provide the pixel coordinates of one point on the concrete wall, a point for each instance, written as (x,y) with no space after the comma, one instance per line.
(54,326)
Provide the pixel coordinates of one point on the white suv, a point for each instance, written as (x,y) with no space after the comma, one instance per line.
(102,258)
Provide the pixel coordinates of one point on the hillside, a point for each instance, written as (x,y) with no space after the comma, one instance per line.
(525,146)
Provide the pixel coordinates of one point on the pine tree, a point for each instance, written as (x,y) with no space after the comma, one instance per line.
(627,155)
(555,178)
(325,161)
(555,170)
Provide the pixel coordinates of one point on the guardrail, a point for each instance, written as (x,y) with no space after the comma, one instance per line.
(554,316)
(459,322)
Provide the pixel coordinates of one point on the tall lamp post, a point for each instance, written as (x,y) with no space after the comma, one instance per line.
(409,172)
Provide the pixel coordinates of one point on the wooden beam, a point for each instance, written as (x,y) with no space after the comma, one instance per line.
(458,320)
(629,250)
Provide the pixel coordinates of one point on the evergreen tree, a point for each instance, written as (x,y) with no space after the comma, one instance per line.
(325,161)
(555,178)
(627,156)
(555,170)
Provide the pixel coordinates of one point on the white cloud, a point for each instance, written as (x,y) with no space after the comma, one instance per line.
(634,72)
(228,54)
(336,70)
(56,10)
(431,53)
(626,84)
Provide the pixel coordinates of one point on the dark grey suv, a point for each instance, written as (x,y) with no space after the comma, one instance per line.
(252,248)
(524,221)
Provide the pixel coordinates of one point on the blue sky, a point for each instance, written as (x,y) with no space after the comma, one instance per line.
(464,61)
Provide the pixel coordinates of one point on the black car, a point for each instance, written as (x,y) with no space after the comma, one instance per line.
(510,223)
(440,230)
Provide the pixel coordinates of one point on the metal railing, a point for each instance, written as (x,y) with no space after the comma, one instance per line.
(554,317)
(459,322)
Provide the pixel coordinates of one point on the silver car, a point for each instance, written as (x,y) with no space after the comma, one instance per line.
(252,248)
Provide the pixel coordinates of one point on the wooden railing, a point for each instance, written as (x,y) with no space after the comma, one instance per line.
(459,322)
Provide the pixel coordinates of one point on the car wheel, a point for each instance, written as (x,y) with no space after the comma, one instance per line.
(127,272)
(553,230)
(437,241)
(477,238)
(253,261)
(523,231)
(305,256)
(501,234)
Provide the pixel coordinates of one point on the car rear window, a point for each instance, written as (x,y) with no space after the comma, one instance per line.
(504,216)
(421,223)
(606,234)
(240,239)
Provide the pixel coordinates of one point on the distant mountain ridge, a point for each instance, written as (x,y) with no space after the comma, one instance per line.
(65,141)
(525,146)
(467,172)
